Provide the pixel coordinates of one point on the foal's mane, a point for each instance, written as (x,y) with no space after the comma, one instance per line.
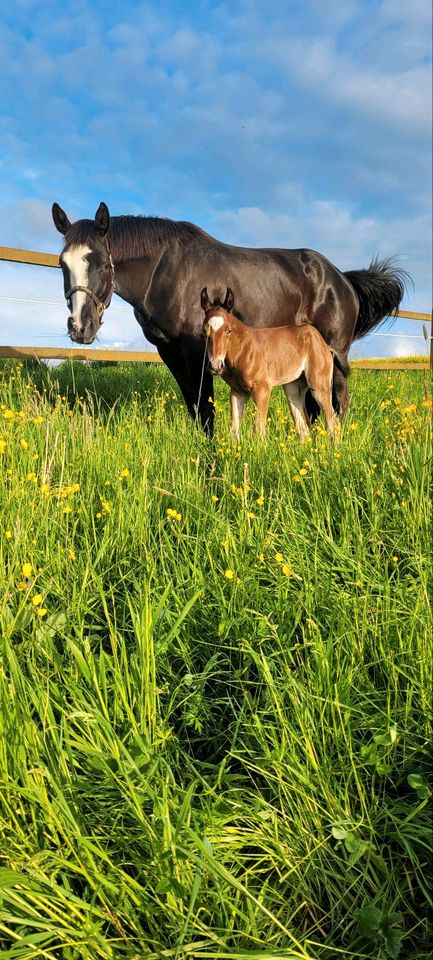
(131,237)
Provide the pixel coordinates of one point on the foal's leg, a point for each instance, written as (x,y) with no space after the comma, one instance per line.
(260,396)
(319,376)
(295,393)
(322,394)
(237,402)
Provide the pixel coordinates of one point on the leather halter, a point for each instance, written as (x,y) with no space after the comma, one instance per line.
(101,305)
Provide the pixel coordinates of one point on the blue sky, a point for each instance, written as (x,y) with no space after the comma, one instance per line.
(267,123)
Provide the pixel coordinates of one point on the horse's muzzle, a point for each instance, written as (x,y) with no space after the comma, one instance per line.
(81,332)
(216,367)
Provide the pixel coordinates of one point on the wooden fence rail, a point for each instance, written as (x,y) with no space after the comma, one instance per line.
(13,255)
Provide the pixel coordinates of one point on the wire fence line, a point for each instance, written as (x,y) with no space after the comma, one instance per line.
(60,303)
(36,258)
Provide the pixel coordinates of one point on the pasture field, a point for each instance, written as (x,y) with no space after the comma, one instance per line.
(215,675)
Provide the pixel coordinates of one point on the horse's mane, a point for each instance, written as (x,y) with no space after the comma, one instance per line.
(131,237)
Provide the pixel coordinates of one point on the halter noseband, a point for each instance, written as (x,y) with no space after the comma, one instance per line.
(101,305)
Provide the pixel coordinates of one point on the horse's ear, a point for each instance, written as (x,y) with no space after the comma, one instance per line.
(206,303)
(229,301)
(61,221)
(102,219)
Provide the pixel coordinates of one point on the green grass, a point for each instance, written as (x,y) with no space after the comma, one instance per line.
(215,724)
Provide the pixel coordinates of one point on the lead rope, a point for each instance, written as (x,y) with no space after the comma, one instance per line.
(201,384)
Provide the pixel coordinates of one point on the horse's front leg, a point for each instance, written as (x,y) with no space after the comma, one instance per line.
(237,403)
(260,395)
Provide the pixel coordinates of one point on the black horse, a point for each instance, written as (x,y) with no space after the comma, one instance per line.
(160,266)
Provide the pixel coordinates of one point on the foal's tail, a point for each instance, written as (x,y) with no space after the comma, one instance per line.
(380,290)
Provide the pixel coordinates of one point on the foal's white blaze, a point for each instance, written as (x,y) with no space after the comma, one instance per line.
(75,260)
(216,323)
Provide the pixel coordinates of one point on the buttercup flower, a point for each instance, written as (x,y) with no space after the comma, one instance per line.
(229,574)
(37,599)
(27,570)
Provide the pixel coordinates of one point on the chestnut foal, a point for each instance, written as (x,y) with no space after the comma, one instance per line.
(252,360)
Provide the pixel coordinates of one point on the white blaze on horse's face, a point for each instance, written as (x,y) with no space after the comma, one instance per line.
(76,262)
(217,330)
(216,323)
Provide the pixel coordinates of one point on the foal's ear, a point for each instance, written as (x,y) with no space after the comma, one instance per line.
(206,303)
(102,219)
(229,301)
(61,221)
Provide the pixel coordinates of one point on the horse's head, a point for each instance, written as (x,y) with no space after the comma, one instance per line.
(217,328)
(88,271)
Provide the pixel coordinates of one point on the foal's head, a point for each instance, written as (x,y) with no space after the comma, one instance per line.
(88,271)
(217,328)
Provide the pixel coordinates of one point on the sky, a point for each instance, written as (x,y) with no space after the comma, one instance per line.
(268,123)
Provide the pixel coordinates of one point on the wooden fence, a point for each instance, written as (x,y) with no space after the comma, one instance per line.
(114,356)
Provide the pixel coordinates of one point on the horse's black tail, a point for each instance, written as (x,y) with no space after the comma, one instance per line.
(380,290)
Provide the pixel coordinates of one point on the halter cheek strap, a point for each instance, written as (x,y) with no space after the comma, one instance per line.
(101,305)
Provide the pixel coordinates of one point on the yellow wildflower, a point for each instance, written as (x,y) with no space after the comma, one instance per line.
(22,585)
(260,500)
(98,515)
(2,445)
(251,516)
(124,472)
(44,488)
(27,570)
(303,472)
(229,574)
(214,498)
(279,557)
(261,557)
(67,510)
(41,611)
(37,599)
(354,426)
(8,534)
(297,479)
(287,570)
(23,444)
(71,554)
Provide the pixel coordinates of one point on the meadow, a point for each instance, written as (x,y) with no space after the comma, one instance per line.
(215,674)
